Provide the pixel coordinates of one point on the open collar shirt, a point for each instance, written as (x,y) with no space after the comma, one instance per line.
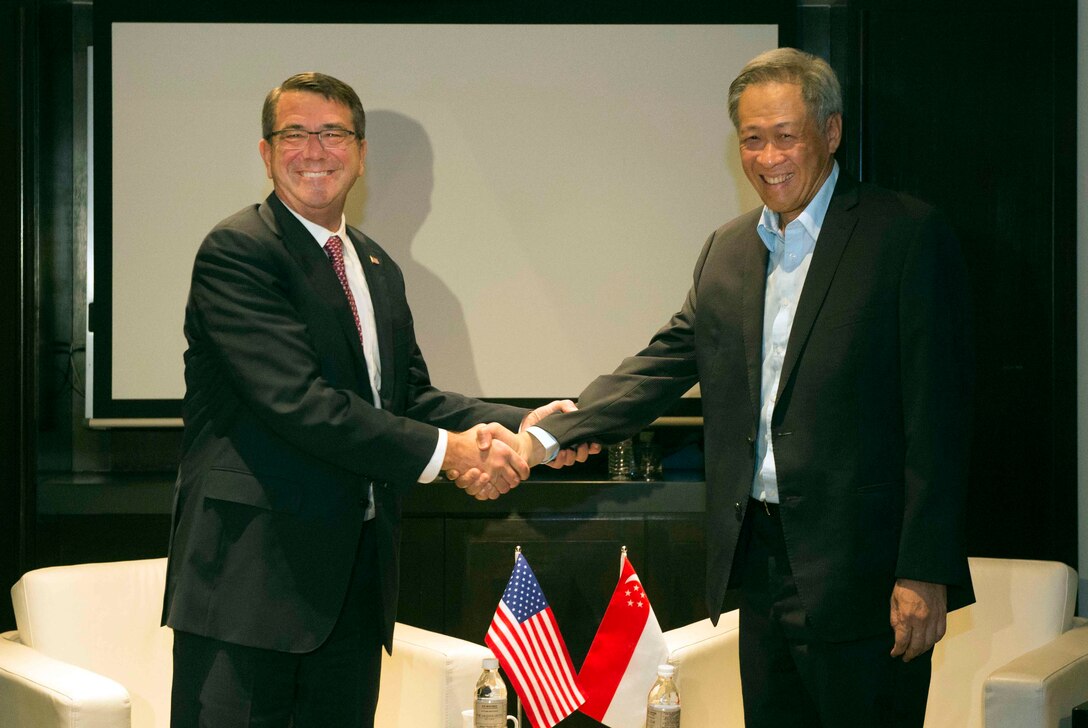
(787,267)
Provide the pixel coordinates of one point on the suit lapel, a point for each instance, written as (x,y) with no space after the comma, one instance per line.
(372,259)
(753,288)
(315,265)
(836,231)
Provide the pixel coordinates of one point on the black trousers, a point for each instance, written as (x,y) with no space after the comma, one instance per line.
(223,685)
(791,678)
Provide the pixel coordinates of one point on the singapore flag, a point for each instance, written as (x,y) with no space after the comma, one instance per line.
(621,665)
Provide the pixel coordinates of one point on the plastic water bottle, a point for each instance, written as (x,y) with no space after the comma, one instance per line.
(489,710)
(663,702)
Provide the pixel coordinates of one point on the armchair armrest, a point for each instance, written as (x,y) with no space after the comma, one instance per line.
(428,680)
(40,691)
(707,661)
(1041,687)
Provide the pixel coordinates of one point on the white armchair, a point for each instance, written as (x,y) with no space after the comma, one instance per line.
(708,672)
(429,679)
(89,651)
(1015,659)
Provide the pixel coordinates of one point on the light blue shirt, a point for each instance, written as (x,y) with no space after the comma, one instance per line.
(787,268)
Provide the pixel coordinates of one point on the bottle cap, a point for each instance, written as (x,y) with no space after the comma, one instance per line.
(490,663)
(666,670)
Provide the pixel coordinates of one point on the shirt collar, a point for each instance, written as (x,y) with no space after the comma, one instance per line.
(811,218)
(320,233)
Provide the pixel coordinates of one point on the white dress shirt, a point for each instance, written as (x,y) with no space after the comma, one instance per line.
(360,291)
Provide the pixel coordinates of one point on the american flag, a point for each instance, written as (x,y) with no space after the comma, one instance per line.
(525,638)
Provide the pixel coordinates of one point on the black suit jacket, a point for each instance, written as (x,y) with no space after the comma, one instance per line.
(872,415)
(282,441)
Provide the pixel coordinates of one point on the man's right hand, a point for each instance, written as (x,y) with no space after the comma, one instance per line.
(500,467)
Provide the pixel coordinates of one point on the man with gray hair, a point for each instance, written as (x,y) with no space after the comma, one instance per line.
(829,333)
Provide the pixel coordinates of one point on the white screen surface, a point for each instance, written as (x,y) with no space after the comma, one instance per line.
(545,188)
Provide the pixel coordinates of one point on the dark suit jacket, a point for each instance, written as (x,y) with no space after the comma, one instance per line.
(871,421)
(282,441)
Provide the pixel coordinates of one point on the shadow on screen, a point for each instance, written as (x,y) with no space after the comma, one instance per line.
(744,197)
(390,206)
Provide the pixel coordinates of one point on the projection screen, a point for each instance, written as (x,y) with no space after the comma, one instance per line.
(545,188)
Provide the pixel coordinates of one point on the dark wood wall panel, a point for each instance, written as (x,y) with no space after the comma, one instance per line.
(17,88)
(422,574)
(71,539)
(673,569)
(965,106)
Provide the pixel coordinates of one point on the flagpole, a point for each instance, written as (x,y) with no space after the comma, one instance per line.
(623,557)
(517,698)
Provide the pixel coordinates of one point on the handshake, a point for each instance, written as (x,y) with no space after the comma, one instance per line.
(488,460)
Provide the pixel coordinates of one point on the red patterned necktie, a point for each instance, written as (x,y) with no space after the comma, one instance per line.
(334,247)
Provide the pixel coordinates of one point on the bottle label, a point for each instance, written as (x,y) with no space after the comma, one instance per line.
(662,716)
(491,713)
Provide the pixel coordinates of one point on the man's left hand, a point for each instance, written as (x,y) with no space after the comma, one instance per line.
(919,611)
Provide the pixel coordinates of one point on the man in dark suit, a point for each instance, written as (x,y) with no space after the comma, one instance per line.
(308,413)
(829,334)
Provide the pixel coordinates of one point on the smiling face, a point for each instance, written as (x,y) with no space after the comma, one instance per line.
(313,181)
(785,155)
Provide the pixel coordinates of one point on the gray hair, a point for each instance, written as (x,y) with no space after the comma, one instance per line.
(316,83)
(819,86)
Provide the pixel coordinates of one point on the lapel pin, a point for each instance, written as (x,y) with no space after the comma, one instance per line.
(375,261)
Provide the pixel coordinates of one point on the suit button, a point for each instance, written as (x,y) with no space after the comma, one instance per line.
(737,511)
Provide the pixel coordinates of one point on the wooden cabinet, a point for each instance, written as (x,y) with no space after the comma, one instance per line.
(457,554)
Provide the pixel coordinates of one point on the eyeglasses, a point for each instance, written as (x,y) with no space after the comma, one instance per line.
(328,138)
